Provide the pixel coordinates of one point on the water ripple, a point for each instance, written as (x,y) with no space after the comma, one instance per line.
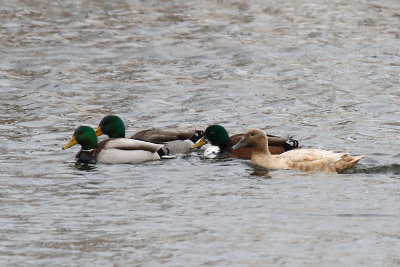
(323,72)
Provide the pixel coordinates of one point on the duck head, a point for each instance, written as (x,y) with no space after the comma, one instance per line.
(216,135)
(112,126)
(254,138)
(196,136)
(85,136)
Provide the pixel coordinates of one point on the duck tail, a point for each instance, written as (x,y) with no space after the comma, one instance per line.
(164,153)
(291,144)
(347,162)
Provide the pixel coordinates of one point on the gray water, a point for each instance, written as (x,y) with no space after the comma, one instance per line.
(324,72)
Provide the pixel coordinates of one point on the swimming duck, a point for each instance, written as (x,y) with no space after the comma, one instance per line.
(177,141)
(311,160)
(114,150)
(113,126)
(222,143)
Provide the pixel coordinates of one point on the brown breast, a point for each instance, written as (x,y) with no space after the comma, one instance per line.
(246,152)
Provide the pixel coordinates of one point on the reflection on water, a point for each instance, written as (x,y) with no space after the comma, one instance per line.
(259,171)
(324,72)
(390,169)
(85,166)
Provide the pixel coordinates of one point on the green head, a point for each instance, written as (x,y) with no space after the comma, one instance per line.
(85,136)
(216,135)
(112,126)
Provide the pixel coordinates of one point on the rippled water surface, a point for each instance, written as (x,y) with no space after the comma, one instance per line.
(325,72)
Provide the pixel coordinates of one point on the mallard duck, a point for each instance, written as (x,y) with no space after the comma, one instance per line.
(218,136)
(114,127)
(177,141)
(114,150)
(311,160)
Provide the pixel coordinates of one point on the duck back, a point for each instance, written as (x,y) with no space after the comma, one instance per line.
(159,136)
(309,160)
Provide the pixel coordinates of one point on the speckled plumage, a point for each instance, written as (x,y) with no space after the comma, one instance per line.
(308,160)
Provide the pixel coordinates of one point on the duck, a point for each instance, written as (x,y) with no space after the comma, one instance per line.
(177,141)
(114,150)
(306,160)
(221,144)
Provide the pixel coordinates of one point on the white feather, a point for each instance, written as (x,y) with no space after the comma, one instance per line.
(212,152)
(130,143)
(179,146)
(298,155)
(116,156)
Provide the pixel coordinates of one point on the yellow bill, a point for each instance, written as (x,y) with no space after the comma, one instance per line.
(71,142)
(99,131)
(202,141)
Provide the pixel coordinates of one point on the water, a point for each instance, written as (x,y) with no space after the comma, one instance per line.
(324,72)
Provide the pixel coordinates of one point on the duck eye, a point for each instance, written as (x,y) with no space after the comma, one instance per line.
(253,134)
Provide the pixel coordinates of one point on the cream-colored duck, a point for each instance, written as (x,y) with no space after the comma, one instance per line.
(309,160)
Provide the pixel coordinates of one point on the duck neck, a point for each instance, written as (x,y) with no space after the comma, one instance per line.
(262,149)
(89,144)
(261,156)
(86,137)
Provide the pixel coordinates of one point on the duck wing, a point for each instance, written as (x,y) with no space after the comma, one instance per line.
(317,160)
(178,146)
(123,150)
(308,155)
(276,145)
(273,140)
(276,140)
(159,136)
(128,144)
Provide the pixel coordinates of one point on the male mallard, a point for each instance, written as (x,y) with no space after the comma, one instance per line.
(218,136)
(114,150)
(312,160)
(177,141)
